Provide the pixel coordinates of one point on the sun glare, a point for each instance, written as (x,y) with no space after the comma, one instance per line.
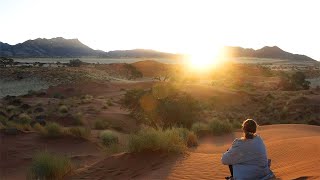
(204,58)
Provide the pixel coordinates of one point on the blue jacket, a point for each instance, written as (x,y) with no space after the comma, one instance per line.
(248,158)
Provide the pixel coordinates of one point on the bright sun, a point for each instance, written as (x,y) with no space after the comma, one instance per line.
(204,58)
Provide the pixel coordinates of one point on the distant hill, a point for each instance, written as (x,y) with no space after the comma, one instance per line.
(273,52)
(60,47)
(138,53)
(55,47)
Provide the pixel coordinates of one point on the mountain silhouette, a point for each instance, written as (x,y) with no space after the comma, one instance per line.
(272,52)
(60,47)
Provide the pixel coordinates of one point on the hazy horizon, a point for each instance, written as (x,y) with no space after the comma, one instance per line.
(168,26)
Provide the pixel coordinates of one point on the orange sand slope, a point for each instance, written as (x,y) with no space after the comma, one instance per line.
(294,150)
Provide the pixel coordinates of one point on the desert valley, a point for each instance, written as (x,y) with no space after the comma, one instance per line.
(143,114)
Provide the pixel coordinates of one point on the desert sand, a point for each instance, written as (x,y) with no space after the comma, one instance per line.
(294,150)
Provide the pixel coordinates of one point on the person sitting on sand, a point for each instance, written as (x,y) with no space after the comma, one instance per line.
(247,157)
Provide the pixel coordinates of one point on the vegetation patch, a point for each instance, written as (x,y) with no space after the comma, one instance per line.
(219,127)
(63,109)
(200,128)
(169,140)
(79,132)
(162,106)
(49,166)
(109,138)
(53,130)
(101,124)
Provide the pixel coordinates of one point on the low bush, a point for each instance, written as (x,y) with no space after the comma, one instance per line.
(86,99)
(170,140)
(101,124)
(199,127)
(220,127)
(78,119)
(23,127)
(23,119)
(63,109)
(109,138)
(49,166)
(53,130)
(236,124)
(58,96)
(38,128)
(109,102)
(3,120)
(79,132)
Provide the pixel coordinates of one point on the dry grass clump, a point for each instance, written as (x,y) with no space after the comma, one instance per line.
(79,132)
(63,109)
(219,127)
(49,166)
(101,124)
(109,138)
(199,127)
(170,140)
(52,130)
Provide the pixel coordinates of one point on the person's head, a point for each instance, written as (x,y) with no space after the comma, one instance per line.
(249,128)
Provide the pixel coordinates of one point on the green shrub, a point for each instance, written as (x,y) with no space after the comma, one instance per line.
(109,102)
(63,109)
(11,108)
(53,130)
(192,139)
(23,119)
(78,119)
(3,120)
(170,140)
(49,166)
(236,124)
(199,127)
(86,99)
(38,128)
(164,106)
(220,127)
(58,96)
(79,132)
(23,127)
(109,138)
(101,124)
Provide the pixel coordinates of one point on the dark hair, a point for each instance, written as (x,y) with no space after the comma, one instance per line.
(249,128)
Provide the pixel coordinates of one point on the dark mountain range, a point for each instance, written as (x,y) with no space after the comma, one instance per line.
(273,52)
(55,47)
(60,47)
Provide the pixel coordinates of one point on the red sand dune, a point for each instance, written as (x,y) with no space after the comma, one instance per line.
(294,150)
(17,151)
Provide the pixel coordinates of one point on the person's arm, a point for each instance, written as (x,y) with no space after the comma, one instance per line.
(233,155)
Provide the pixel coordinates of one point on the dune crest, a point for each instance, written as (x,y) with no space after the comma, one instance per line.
(294,150)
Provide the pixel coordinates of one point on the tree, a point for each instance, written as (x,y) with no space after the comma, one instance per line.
(295,81)
(75,63)
(6,61)
(163,106)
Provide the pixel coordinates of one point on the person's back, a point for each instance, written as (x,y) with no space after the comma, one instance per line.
(248,158)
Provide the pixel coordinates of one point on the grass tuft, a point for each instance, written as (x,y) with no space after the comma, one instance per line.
(49,166)
(53,130)
(101,124)
(218,127)
(109,138)
(79,132)
(63,109)
(170,140)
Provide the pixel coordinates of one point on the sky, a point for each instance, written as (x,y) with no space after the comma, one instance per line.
(178,26)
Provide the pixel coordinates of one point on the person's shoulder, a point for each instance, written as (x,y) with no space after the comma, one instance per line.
(237,141)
